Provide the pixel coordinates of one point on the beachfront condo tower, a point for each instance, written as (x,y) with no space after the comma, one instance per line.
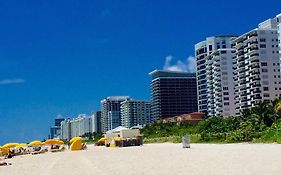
(96,121)
(173,93)
(214,57)
(220,84)
(111,112)
(135,113)
(257,65)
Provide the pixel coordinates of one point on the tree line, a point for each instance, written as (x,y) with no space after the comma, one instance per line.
(261,123)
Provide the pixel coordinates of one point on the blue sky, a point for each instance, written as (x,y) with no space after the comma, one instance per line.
(63,57)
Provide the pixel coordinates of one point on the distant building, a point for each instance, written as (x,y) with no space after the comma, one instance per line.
(110,113)
(173,93)
(81,125)
(66,129)
(257,65)
(55,131)
(96,121)
(76,127)
(135,113)
(193,118)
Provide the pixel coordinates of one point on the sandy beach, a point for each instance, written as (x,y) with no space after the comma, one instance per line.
(166,158)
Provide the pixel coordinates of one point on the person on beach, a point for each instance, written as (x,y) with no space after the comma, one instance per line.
(3,163)
(10,155)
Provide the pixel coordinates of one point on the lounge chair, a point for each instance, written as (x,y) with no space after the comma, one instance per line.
(61,148)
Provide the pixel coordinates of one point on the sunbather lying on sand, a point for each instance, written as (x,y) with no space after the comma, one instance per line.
(3,163)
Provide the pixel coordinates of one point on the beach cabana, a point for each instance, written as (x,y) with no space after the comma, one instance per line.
(123,137)
(76,143)
(122,132)
(3,151)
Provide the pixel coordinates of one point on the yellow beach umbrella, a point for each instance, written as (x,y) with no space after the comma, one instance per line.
(54,142)
(21,145)
(75,138)
(103,139)
(35,143)
(9,145)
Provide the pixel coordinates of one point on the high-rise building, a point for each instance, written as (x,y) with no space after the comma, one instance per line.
(135,113)
(66,129)
(76,127)
(204,49)
(96,121)
(110,113)
(55,131)
(173,93)
(257,65)
(81,125)
(219,80)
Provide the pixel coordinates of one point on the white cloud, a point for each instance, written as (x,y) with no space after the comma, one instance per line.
(188,66)
(11,81)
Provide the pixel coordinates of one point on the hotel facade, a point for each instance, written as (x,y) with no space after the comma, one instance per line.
(172,93)
(257,65)
(215,75)
(135,113)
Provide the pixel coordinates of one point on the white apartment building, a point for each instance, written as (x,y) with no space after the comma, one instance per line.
(135,113)
(257,65)
(76,127)
(66,129)
(208,55)
(81,125)
(220,84)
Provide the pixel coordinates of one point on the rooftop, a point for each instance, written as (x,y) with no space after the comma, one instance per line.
(166,73)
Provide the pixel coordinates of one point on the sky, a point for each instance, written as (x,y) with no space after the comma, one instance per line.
(65,56)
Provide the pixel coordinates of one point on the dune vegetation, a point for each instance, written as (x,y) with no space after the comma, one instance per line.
(258,124)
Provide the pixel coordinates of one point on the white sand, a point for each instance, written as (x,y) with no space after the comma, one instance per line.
(167,158)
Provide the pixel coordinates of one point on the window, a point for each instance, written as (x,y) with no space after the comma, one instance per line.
(210,47)
(226,103)
(272,45)
(225,93)
(225,98)
(264,70)
(266,95)
(262,40)
(262,45)
(223,52)
(265,88)
(263,64)
(225,88)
